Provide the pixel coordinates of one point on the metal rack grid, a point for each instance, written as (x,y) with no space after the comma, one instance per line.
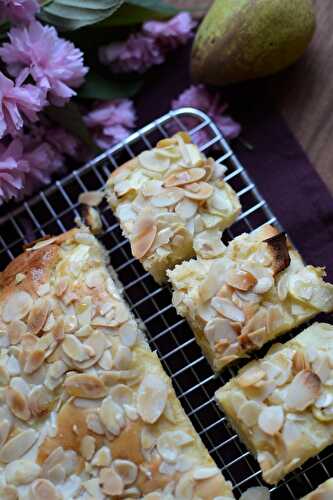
(54,211)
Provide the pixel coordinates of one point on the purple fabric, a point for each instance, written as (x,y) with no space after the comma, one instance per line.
(276,162)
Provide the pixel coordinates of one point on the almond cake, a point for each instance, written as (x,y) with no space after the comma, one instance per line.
(282,405)
(257,289)
(323,492)
(87,411)
(165,198)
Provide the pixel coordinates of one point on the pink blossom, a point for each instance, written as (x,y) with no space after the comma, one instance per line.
(111,121)
(18,11)
(148,47)
(17,100)
(198,96)
(54,63)
(137,54)
(43,161)
(13,167)
(171,34)
(62,141)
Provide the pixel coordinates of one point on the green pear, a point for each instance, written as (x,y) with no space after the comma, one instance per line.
(245,39)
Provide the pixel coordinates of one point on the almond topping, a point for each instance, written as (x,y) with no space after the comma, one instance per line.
(271,419)
(85,386)
(18,404)
(152,398)
(227,309)
(112,416)
(42,489)
(112,484)
(38,315)
(300,362)
(303,390)
(91,198)
(251,377)
(22,472)
(144,238)
(127,470)
(33,361)
(74,348)
(168,197)
(17,306)
(201,191)
(185,177)
(16,329)
(242,280)
(249,413)
(87,447)
(18,446)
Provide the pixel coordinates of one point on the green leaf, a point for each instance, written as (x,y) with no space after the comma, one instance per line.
(97,87)
(69,15)
(130,14)
(156,6)
(70,118)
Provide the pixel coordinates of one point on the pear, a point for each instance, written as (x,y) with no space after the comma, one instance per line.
(246,39)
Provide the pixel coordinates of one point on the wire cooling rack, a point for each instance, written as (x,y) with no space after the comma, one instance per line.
(55,209)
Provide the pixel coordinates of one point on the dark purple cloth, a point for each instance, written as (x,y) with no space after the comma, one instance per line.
(276,162)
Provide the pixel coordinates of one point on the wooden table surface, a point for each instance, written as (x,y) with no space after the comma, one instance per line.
(304,92)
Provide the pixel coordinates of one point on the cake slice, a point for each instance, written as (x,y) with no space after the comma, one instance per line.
(165,197)
(257,289)
(282,405)
(87,411)
(323,492)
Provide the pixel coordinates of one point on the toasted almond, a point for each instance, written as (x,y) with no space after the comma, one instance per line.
(94,346)
(112,484)
(151,161)
(42,489)
(152,398)
(249,412)
(38,315)
(17,306)
(227,309)
(300,361)
(17,446)
(186,209)
(61,286)
(251,376)
(271,419)
(42,243)
(91,198)
(15,330)
(18,404)
(145,233)
(22,472)
(213,281)
(102,457)
(321,367)
(200,473)
(74,349)
(219,329)
(123,358)
(240,279)
(303,390)
(168,197)
(39,401)
(198,191)
(87,447)
(5,427)
(83,385)
(8,492)
(94,424)
(58,331)
(126,469)
(184,177)
(33,361)
(112,416)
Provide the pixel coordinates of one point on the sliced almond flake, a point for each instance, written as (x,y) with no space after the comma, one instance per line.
(213,281)
(204,311)
(34,360)
(249,412)
(74,349)
(106,361)
(186,209)
(126,469)
(112,416)
(102,457)
(183,177)
(5,427)
(185,486)
(152,398)
(201,191)
(18,404)
(91,198)
(17,306)
(251,376)
(94,423)
(200,473)
(39,401)
(256,493)
(112,483)
(123,358)
(95,343)
(240,279)
(248,296)
(145,234)
(219,329)
(321,367)
(15,330)
(300,361)
(57,474)
(8,492)
(21,472)
(151,161)
(38,315)
(84,311)
(168,197)
(122,394)
(61,285)
(43,489)
(227,309)
(50,323)
(43,289)
(271,420)
(84,385)
(92,487)
(19,277)
(116,376)
(325,399)
(191,154)
(87,447)
(303,390)
(17,446)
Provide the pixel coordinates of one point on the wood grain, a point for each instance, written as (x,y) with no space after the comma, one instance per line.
(304,94)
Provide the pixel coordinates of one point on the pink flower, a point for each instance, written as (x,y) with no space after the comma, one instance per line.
(63,142)
(149,47)
(54,63)
(18,11)
(137,54)
(111,122)
(198,96)
(43,161)
(171,34)
(13,167)
(17,100)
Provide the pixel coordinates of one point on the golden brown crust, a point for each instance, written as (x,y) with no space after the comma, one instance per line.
(279,250)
